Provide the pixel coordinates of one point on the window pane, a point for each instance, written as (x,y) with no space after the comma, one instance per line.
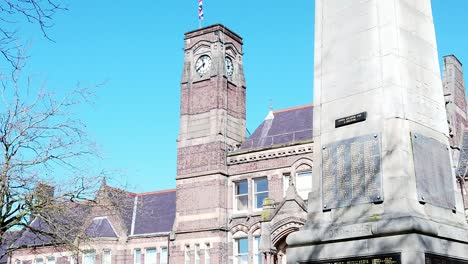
(242,202)
(241,187)
(304,183)
(261,184)
(244,259)
(243,246)
(88,258)
(259,199)
(106,256)
(187,255)
(163,257)
(39,261)
(150,257)
(50,260)
(137,256)
(207,255)
(257,255)
(286,179)
(197,254)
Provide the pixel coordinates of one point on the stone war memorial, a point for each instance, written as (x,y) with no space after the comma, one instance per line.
(387,191)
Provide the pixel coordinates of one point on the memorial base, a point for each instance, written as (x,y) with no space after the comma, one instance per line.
(395,249)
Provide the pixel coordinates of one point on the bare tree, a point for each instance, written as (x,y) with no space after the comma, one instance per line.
(12,12)
(45,188)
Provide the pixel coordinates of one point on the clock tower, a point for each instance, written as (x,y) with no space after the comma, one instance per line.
(212,121)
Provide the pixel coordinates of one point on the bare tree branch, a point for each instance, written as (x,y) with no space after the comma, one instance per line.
(14,12)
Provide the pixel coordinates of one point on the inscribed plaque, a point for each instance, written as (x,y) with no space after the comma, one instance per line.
(434,179)
(351,172)
(377,259)
(435,259)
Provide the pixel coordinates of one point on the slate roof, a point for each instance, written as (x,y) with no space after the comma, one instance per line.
(67,223)
(142,214)
(8,239)
(282,127)
(100,227)
(155,212)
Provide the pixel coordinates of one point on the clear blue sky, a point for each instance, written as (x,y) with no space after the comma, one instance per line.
(136,47)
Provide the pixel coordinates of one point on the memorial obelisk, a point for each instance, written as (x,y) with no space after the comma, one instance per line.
(384,190)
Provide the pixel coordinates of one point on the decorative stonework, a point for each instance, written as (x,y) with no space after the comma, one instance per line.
(284,227)
(269,154)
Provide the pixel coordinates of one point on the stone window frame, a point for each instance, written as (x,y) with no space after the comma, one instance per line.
(235,195)
(237,255)
(256,233)
(254,193)
(300,165)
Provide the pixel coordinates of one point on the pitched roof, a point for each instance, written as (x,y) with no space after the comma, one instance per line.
(59,225)
(100,227)
(5,242)
(282,127)
(145,213)
(155,212)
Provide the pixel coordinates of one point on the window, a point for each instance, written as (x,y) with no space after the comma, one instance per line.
(187,254)
(241,251)
(242,195)
(150,257)
(106,256)
(207,253)
(73,259)
(304,183)
(89,257)
(163,257)
(137,256)
(197,254)
(39,261)
(17,261)
(256,250)
(286,180)
(260,191)
(51,260)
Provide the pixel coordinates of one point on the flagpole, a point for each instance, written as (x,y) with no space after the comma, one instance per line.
(200,13)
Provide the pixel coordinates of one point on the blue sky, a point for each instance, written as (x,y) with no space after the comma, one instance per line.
(135,47)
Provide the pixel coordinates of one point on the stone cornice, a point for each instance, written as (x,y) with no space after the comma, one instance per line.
(246,157)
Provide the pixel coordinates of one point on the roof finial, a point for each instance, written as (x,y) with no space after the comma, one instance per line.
(271,104)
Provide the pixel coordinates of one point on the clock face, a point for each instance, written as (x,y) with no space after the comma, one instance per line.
(229,67)
(203,64)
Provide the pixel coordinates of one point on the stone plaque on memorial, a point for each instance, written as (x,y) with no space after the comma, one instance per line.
(351,172)
(378,259)
(433,173)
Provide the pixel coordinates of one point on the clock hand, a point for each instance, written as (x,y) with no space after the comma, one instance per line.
(201,66)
